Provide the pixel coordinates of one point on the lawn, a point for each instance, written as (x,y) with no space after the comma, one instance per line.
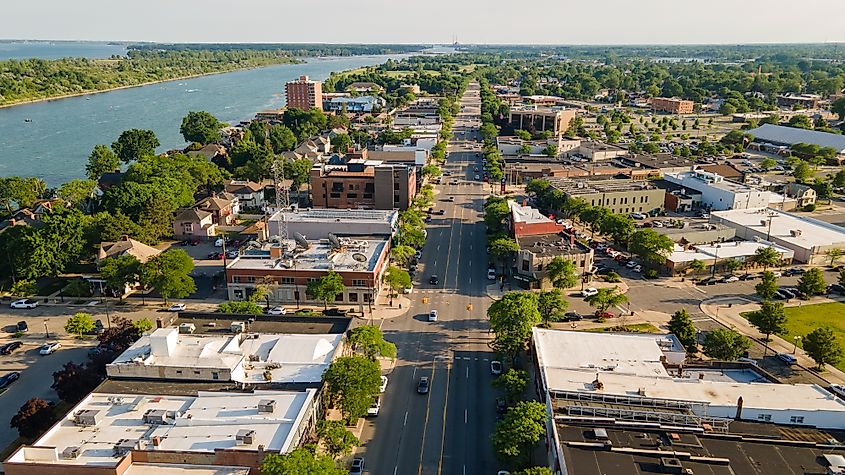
(632,328)
(806,318)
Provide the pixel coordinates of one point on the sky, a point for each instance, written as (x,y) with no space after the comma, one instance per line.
(429,21)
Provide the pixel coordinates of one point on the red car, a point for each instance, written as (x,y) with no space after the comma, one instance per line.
(604,314)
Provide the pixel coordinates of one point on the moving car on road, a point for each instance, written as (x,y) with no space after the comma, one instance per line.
(357,467)
(496,367)
(9,378)
(8,348)
(434,280)
(432,316)
(24,303)
(49,348)
(491,274)
(176,307)
(277,311)
(422,385)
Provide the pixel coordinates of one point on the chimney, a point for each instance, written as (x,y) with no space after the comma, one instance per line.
(156,441)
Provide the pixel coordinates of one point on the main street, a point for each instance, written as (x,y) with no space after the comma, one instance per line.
(446,431)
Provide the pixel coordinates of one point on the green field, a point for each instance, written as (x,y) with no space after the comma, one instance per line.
(806,318)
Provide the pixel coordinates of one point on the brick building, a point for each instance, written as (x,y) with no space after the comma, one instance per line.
(672,105)
(528,221)
(536,119)
(363,184)
(304,93)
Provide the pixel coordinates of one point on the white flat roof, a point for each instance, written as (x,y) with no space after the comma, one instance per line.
(526,214)
(725,250)
(167,469)
(203,423)
(626,363)
(361,256)
(812,232)
(314,215)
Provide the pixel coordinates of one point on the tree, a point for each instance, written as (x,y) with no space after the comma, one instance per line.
(341,143)
(550,150)
(101,160)
(502,248)
(731,265)
(522,134)
(76,192)
(243,307)
(495,211)
(651,246)
(822,347)
(697,266)
(551,305)
(80,324)
(769,319)
(336,438)
(802,171)
(522,427)
(766,257)
(681,326)
(768,286)
(838,107)
(726,345)
(835,254)
(369,340)
(169,272)
(282,139)
(119,272)
(512,382)
(397,279)
(594,215)
(768,163)
(120,336)
(200,127)
(606,298)
(134,144)
(33,418)
(351,383)
(431,170)
(402,254)
(511,319)
(411,236)
(812,282)
(300,461)
(326,288)
(73,382)
(143,325)
(24,288)
(618,226)
(561,273)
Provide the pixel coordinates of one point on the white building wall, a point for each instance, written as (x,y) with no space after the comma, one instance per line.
(820,419)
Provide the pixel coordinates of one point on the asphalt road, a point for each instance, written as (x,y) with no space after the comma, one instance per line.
(446,431)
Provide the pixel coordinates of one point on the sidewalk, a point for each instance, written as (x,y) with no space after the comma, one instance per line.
(729,316)
(495,292)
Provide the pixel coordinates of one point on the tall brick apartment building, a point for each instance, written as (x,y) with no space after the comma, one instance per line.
(304,93)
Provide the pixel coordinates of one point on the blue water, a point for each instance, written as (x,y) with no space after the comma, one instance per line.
(56,143)
(58,49)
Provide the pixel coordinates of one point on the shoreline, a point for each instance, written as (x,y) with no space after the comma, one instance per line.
(130,86)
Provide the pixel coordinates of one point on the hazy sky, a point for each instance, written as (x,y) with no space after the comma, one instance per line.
(429,21)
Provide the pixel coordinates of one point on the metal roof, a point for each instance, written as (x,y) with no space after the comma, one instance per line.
(792,135)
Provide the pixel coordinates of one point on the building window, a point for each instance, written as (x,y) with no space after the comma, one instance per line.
(351,195)
(250,279)
(539,267)
(288,281)
(215,375)
(334,195)
(236,279)
(796,419)
(239,294)
(764,417)
(614,201)
(178,371)
(396,186)
(196,372)
(525,265)
(312,279)
(339,298)
(366,298)
(353,296)
(359,282)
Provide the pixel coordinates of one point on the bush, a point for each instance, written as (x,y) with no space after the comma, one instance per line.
(612,277)
(77,288)
(24,288)
(810,207)
(650,274)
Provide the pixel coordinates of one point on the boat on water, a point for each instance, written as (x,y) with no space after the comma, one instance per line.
(27,120)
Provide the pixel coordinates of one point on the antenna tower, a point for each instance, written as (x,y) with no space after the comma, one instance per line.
(282,196)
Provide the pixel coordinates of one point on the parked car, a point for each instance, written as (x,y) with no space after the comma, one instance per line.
(432,316)
(9,378)
(605,314)
(788,292)
(375,407)
(781,295)
(49,348)
(794,271)
(418,255)
(638,215)
(491,274)
(335,312)
(573,316)
(177,307)
(22,327)
(357,467)
(8,348)
(787,358)
(408,290)
(24,303)
(708,281)
(451,199)
(589,292)
(383,386)
(422,385)
(501,405)
(748,276)
(277,311)
(434,280)
(440,212)
(837,288)
(496,367)
(729,279)
(637,269)
(631,264)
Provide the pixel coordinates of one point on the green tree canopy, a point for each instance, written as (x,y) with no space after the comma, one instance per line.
(369,341)
(620,227)
(822,347)
(300,461)
(724,344)
(351,383)
(170,274)
(120,271)
(282,139)
(80,324)
(397,279)
(766,257)
(513,382)
(651,246)
(562,272)
(101,160)
(522,427)
(134,144)
(200,127)
(77,191)
(812,282)
(240,307)
(551,305)
(605,298)
(768,286)
(402,254)
(511,319)
(326,288)
(336,438)
(769,319)
(681,326)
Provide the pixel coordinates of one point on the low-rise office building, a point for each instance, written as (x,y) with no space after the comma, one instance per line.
(804,195)
(619,196)
(528,221)
(536,119)
(353,105)
(511,145)
(598,151)
(672,105)
(318,223)
(804,101)
(779,135)
(287,267)
(809,239)
(718,193)
(363,184)
(718,254)
(537,251)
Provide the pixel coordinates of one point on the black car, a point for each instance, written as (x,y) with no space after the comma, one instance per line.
(573,316)
(836,288)
(422,386)
(22,326)
(501,405)
(9,378)
(788,293)
(335,312)
(793,271)
(708,281)
(748,277)
(433,280)
(8,348)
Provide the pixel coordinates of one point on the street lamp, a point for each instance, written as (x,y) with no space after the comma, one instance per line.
(795,340)
(716,260)
(46,330)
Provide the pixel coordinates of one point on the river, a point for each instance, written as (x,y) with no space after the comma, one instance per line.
(52,140)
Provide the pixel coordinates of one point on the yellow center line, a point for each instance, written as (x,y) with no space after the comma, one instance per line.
(427,406)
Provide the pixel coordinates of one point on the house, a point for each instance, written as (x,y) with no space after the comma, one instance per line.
(109,179)
(364,87)
(249,193)
(192,223)
(212,152)
(804,195)
(126,246)
(223,207)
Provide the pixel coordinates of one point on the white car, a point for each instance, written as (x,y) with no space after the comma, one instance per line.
(638,269)
(477,177)
(408,289)
(432,316)
(49,348)
(589,292)
(496,367)
(383,386)
(638,215)
(176,307)
(787,358)
(218,242)
(277,311)
(491,274)
(24,303)
(631,264)
(375,408)
(732,278)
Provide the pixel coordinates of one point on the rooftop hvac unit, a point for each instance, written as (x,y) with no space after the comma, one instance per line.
(794,232)
(87,417)
(671,465)
(70,453)
(266,406)
(155,416)
(124,446)
(245,436)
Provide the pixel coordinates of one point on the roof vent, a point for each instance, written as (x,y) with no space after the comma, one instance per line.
(124,446)
(795,232)
(87,417)
(266,406)
(70,453)
(671,465)
(155,416)
(245,436)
